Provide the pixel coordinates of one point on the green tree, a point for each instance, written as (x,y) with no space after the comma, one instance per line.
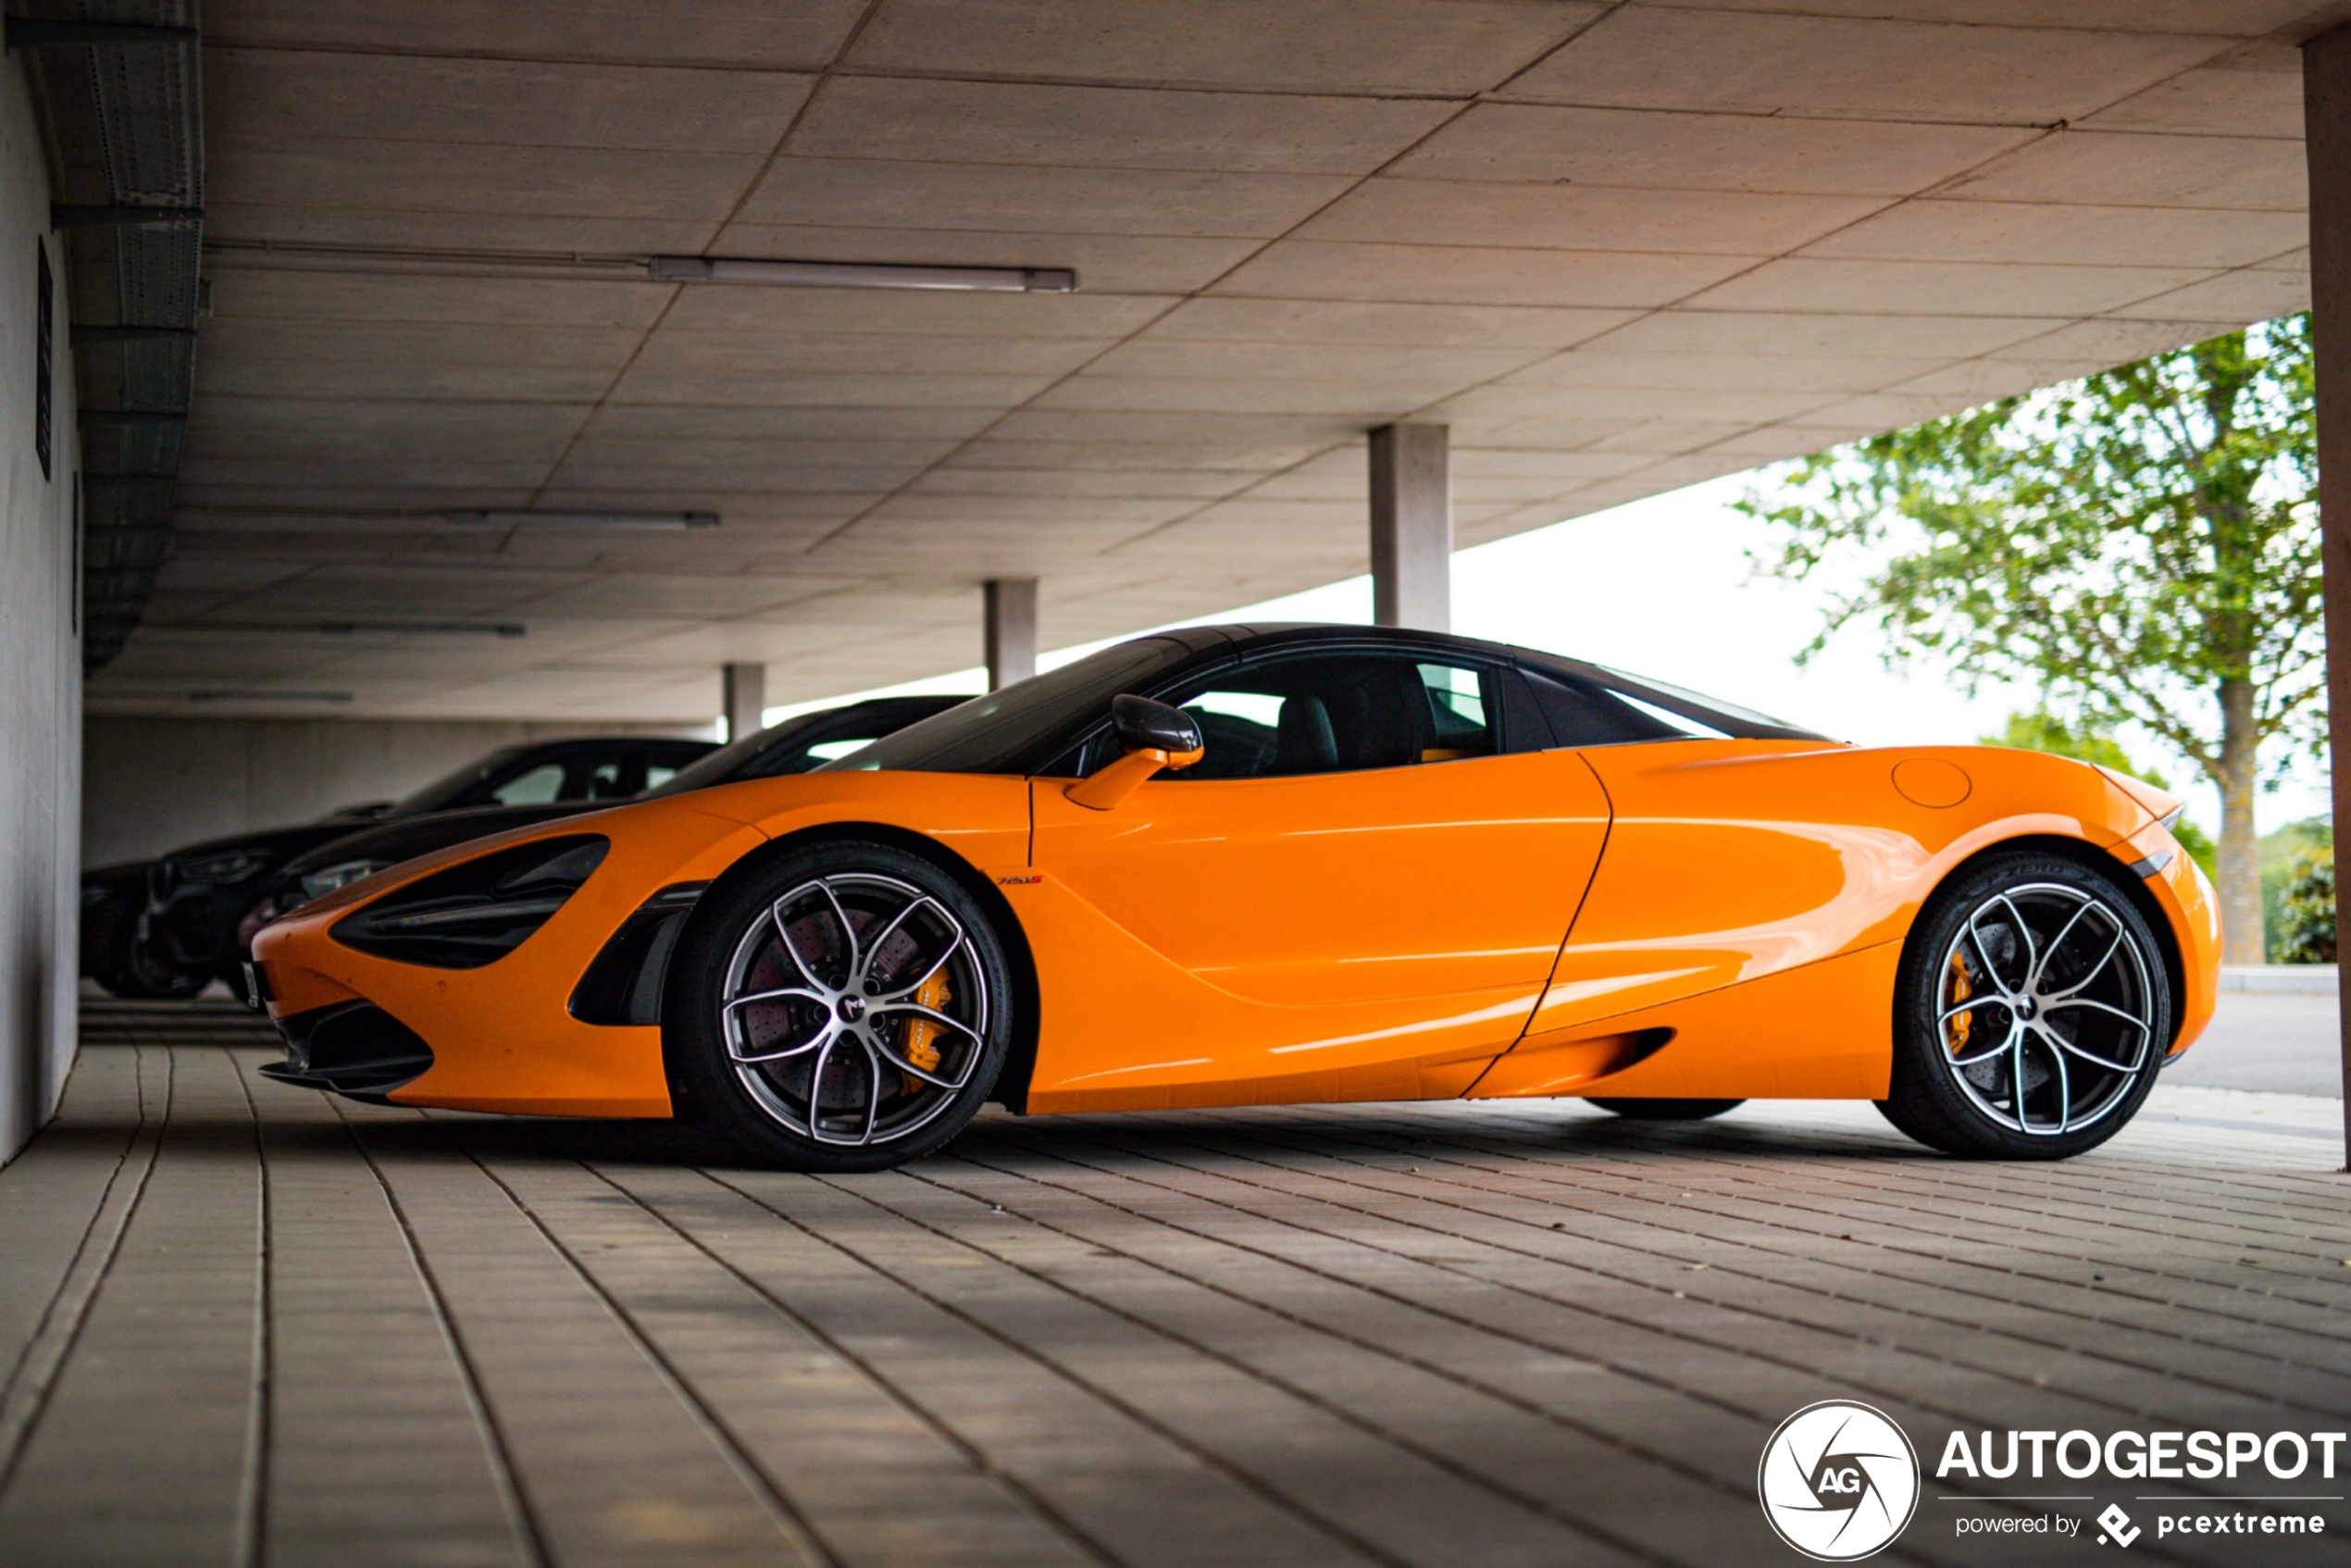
(2308,937)
(2285,854)
(2044,731)
(2142,545)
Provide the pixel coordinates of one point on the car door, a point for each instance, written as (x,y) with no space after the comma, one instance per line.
(1364,882)
(1732,862)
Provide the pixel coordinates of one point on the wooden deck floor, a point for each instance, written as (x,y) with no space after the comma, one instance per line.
(243,1324)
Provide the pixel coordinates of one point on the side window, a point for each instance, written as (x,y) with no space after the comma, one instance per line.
(603,781)
(532,787)
(1581,715)
(1339,712)
(1457,710)
(657,772)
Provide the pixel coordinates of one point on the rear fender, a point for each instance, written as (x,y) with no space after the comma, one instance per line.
(1730,863)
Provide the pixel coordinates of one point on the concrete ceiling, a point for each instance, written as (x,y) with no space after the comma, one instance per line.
(1619,248)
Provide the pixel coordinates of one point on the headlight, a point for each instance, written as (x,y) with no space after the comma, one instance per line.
(319,883)
(223,867)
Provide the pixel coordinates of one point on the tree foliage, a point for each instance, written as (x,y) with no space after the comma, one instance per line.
(2308,934)
(2128,542)
(2142,545)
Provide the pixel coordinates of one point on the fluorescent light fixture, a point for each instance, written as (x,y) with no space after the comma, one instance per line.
(864,275)
(421,628)
(269,696)
(586,519)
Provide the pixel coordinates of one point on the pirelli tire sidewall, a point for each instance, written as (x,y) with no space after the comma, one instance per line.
(1923,1101)
(705,1090)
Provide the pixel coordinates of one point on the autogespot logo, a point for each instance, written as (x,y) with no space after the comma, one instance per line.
(1838,1481)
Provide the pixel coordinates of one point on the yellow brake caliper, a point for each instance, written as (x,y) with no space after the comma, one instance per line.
(1961,989)
(935,994)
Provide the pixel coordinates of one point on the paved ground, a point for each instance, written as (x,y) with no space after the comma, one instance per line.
(2284,1042)
(242,1324)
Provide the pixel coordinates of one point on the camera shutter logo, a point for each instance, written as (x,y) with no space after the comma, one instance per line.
(1839,1481)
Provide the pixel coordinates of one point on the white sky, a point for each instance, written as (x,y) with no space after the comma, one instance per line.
(1662,588)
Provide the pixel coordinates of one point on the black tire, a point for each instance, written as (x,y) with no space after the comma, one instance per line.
(1668,1110)
(2034,966)
(136,973)
(896,1085)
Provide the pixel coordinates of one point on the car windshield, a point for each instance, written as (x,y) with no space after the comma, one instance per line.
(446,789)
(721,766)
(1003,731)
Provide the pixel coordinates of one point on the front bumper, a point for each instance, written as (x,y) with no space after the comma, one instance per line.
(353,1048)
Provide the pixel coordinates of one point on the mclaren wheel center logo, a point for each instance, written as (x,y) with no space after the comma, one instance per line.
(1838,1481)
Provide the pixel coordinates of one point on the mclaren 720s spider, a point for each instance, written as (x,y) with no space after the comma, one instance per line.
(1248,865)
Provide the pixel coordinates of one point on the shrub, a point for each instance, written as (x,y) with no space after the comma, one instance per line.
(2308,906)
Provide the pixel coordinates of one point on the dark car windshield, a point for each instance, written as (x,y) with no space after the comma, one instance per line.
(445,790)
(1003,731)
(803,744)
(724,765)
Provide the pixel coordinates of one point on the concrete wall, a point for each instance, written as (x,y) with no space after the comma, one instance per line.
(155,784)
(40,650)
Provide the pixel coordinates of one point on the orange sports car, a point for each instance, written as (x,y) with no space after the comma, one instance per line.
(1247,865)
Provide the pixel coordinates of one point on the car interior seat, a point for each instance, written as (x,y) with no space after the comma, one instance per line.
(1302,739)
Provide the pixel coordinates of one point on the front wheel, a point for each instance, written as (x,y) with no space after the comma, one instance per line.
(843,1009)
(2032,1014)
(137,974)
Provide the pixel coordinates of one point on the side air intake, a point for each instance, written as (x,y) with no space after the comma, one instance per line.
(623,986)
(476,913)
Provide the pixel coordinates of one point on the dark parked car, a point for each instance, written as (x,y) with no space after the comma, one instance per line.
(797,745)
(187,932)
(114,897)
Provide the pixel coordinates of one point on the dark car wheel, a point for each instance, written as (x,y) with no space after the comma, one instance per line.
(843,1009)
(1668,1110)
(136,973)
(2032,1014)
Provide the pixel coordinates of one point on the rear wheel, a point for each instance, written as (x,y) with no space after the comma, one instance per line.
(842,1010)
(1668,1110)
(2032,1015)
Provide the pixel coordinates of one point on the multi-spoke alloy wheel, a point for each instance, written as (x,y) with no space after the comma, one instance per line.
(856,1011)
(2035,1012)
(846,1003)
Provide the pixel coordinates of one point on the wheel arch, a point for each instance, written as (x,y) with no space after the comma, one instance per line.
(2092,858)
(1012,1084)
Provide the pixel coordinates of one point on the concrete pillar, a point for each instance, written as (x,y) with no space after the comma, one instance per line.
(1413,527)
(742,697)
(1011,630)
(2326,116)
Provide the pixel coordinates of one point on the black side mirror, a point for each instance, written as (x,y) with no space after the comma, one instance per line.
(1144,724)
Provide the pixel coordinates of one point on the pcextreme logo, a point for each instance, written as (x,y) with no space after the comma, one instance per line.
(1838,1481)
